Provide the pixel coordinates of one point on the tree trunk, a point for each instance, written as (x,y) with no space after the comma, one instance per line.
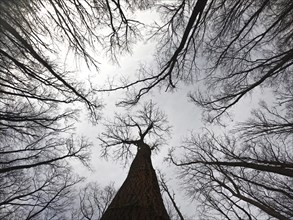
(139,197)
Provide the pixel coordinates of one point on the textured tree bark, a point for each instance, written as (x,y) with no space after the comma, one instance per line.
(139,197)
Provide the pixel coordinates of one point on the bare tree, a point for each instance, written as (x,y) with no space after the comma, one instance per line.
(246,44)
(36,179)
(40,98)
(248,175)
(31,35)
(93,201)
(172,208)
(239,179)
(233,48)
(127,130)
(139,197)
(227,48)
(267,120)
(176,52)
(250,50)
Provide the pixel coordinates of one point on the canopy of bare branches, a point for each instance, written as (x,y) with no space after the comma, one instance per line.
(224,50)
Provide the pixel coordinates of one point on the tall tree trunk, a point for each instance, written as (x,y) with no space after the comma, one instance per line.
(139,197)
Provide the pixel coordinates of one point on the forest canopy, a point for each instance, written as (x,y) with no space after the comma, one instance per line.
(225,51)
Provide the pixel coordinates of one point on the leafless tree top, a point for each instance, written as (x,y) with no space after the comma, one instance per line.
(147,124)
